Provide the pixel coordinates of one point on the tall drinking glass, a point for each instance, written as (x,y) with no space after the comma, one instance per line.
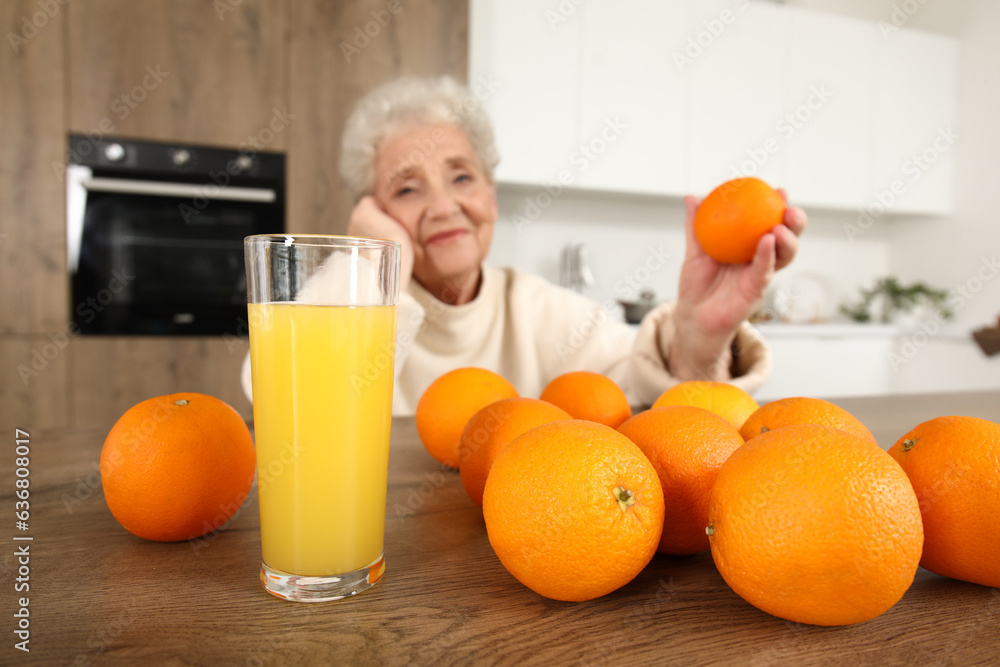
(322,314)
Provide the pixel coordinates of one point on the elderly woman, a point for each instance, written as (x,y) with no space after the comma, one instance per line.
(420,165)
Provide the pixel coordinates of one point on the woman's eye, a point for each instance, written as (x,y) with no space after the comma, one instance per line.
(462,178)
(405,190)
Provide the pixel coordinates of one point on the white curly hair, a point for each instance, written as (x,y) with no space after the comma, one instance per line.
(400,104)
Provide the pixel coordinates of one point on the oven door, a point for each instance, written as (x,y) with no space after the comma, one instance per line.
(151,258)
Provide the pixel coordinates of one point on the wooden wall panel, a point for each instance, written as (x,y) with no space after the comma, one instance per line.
(33,381)
(110,375)
(34,289)
(332,66)
(179,70)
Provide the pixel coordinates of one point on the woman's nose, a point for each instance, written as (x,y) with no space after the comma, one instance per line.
(442,204)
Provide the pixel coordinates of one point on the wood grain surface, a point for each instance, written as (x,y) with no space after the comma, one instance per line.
(101,596)
(180,70)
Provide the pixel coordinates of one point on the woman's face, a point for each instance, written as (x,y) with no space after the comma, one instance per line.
(429,179)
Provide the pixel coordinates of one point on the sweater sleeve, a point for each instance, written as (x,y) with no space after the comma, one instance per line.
(746,364)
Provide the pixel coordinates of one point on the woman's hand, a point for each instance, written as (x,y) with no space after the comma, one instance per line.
(368,219)
(714,298)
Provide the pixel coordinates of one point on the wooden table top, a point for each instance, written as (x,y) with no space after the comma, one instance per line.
(99,595)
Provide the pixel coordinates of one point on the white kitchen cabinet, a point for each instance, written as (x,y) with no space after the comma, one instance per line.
(828,133)
(737,93)
(915,140)
(633,97)
(667,98)
(827,367)
(832,360)
(534,64)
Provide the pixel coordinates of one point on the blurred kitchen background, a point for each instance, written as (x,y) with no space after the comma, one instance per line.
(877,116)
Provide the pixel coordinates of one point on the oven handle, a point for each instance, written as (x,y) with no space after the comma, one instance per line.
(80,179)
(76,209)
(159,189)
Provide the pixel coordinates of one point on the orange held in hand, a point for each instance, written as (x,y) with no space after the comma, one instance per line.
(592,396)
(491,429)
(734,216)
(176,467)
(954,466)
(726,400)
(449,402)
(573,509)
(803,410)
(687,446)
(814,525)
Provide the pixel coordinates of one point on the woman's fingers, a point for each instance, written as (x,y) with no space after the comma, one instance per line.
(785,247)
(763,264)
(691,206)
(795,219)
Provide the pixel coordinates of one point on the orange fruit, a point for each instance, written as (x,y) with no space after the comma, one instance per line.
(803,410)
(491,429)
(728,401)
(592,396)
(687,446)
(177,467)
(449,402)
(815,525)
(954,466)
(573,509)
(734,216)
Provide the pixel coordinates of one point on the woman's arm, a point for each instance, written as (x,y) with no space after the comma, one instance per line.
(713,299)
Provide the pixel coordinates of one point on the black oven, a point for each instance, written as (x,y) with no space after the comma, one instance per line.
(155,233)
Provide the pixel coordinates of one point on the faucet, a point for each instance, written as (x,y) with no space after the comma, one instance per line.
(574,268)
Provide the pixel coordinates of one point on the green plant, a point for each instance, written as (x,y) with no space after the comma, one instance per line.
(893,297)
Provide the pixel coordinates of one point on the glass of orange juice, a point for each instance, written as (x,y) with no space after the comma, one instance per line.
(322,315)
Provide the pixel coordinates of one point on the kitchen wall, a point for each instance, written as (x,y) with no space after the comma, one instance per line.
(185,70)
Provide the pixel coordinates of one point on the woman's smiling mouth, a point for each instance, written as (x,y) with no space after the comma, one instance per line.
(442,238)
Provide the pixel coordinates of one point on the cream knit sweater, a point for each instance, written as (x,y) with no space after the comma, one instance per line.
(529,331)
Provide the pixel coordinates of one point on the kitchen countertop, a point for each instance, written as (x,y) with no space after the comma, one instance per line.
(99,595)
(776,330)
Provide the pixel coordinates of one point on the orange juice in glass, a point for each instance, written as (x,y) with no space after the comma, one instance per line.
(322,320)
